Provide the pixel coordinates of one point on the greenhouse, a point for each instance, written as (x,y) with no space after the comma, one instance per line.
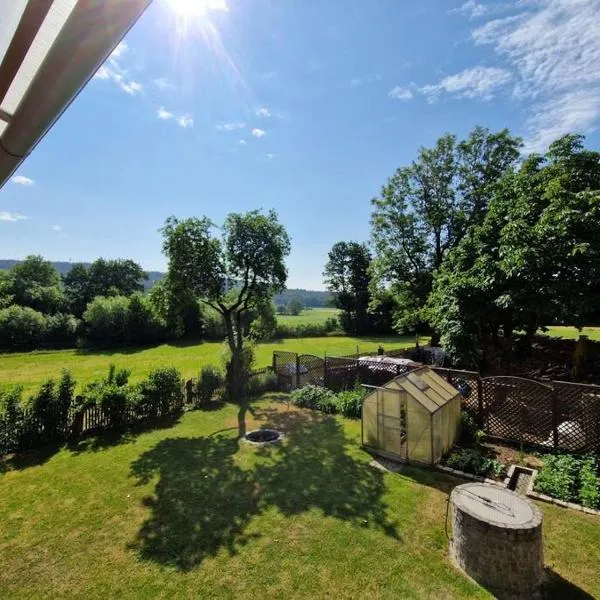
(415,417)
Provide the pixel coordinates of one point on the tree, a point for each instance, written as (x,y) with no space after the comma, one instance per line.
(534,258)
(294,307)
(232,275)
(281,309)
(36,283)
(425,210)
(102,278)
(6,297)
(348,278)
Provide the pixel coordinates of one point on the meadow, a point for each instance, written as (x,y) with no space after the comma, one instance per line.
(572,333)
(309,316)
(30,369)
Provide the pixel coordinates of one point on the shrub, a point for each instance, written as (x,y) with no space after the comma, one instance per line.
(470,432)
(260,384)
(209,381)
(589,491)
(558,477)
(163,390)
(62,329)
(106,320)
(311,396)
(21,327)
(11,419)
(349,403)
(473,461)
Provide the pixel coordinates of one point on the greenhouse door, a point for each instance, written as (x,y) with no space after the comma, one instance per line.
(392,422)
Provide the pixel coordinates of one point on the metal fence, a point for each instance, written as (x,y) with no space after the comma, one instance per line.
(550,414)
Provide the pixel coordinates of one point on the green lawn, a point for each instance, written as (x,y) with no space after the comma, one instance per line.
(31,368)
(572,333)
(187,512)
(313,316)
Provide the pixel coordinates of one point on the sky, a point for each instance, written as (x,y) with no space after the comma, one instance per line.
(303,106)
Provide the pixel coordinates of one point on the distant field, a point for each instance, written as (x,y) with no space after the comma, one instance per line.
(572,333)
(313,316)
(30,369)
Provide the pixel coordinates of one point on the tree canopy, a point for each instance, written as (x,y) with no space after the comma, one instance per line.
(233,274)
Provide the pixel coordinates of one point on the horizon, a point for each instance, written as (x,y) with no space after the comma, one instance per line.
(307,109)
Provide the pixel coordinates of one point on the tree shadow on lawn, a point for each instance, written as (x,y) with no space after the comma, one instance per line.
(204,501)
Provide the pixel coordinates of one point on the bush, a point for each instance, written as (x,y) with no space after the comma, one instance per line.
(163,390)
(473,461)
(470,432)
(11,419)
(312,396)
(558,477)
(21,327)
(62,329)
(209,381)
(260,384)
(106,320)
(349,403)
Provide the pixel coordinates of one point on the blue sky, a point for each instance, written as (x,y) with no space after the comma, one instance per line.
(298,105)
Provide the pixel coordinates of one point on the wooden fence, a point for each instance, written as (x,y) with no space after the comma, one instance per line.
(549,414)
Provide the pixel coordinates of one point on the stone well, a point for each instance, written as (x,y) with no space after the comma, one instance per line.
(497,539)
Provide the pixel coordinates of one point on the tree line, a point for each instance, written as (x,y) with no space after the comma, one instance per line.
(475,243)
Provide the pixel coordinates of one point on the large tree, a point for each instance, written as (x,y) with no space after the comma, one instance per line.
(534,259)
(34,282)
(102,278)
(233,274)
(347,278)
(426,208)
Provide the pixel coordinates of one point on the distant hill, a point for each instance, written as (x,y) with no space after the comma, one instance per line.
(310,298)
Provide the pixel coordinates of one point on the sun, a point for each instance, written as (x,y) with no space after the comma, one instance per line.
(197,8)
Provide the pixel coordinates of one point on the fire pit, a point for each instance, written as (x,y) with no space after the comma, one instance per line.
(263,436)
(497,539)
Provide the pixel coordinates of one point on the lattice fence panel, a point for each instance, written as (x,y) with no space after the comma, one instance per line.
(578,418)
(284,365)
(311,370)
(378,372)
(340,373)
(466,382)
(518,409)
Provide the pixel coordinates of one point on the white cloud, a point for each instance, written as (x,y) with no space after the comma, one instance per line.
(185,121)
(263,112)
(270,155)
(553,47)
(22,180)
(242,142)
(120,50)
(130,87)
(256,132)
(164,114)
(476,82)
(475,10)
(231,126)
(358,81)
(162,83)
(13,217)
(102,73)
(401,93)
(56,228)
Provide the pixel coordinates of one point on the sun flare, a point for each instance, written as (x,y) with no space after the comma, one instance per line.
(197,8)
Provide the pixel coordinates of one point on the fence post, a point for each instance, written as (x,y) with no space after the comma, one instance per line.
(297,370)
(554,401)
(326,373)
(274,362)
(480,402)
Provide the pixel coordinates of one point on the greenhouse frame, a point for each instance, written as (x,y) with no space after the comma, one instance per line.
(415,417)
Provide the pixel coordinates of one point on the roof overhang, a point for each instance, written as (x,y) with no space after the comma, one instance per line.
(49,49)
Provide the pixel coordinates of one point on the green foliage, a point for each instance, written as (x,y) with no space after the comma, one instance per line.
(21,327)
(294,307)
(163,389)
(570,478)
(589,490)
(11,418)
(209,381)
(260,384)
(110,394)
(470,432)
(35,283)
(471,460)
(558,477)
(426,209)
(61,329)
(348,403)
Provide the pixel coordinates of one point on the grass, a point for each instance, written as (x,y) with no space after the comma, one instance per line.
(572,333)
(313,316)
(30,369)
(186,512)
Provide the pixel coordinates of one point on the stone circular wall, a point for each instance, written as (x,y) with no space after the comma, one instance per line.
(497,539)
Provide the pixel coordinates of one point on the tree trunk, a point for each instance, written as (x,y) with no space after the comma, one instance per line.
(242,421)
